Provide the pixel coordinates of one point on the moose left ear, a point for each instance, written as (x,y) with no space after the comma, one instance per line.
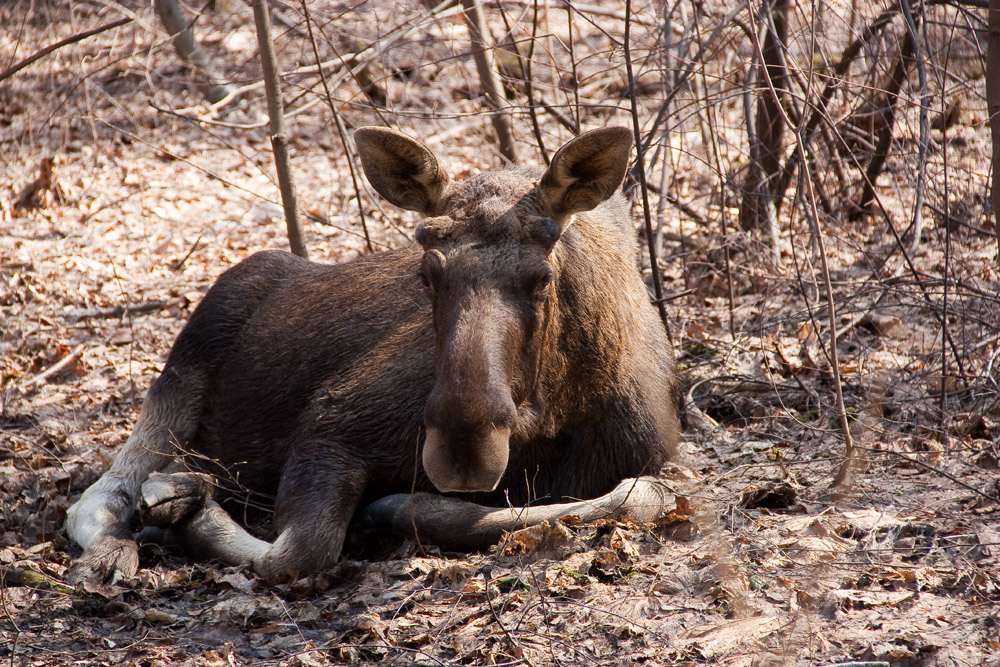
(585,172)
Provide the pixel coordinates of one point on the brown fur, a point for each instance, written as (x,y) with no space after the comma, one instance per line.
(530,369)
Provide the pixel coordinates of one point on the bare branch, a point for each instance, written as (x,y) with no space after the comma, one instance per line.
(211,82)
(72,39)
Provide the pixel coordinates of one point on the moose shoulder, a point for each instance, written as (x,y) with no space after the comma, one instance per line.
(512,359)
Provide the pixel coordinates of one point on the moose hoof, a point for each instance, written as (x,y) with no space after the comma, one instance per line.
(170,498)
(111,558)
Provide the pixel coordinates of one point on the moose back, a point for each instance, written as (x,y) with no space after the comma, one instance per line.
(513,358)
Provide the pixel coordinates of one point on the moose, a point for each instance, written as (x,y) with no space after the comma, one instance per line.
(507,369)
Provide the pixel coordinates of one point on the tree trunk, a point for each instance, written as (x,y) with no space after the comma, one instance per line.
(757,210)
(482,52)
(993,106)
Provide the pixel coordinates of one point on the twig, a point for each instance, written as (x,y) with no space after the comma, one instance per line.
(72,39)
(116,311)
(948,475)
(515,645)
(641,169)
(279,142)
(73,355)
(338,121)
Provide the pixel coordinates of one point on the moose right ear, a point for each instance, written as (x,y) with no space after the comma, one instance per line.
(585,172)
(401,169)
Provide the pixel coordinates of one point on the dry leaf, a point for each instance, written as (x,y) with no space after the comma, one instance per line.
(854,599)
(718,638)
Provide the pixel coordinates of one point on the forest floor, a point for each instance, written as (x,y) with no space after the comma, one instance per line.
(123,195)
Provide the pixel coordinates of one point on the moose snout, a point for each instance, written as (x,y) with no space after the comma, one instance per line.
(474,465)
(467,450)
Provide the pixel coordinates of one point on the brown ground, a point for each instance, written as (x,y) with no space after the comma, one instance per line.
(103,261)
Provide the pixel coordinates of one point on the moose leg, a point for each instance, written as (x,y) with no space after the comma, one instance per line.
(314,506)
(211,534)
(459,524)
(99,520)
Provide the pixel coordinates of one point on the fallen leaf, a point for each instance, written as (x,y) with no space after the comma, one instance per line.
(717,638)
(854,599)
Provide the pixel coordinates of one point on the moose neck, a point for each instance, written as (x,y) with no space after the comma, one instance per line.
(595,315)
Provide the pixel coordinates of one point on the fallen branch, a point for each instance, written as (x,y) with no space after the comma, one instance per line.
(114,312)
(73,355)
(23,576)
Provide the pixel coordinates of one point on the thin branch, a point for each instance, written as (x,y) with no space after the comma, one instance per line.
(341,130)
(641,169)
(213,86)
(279,141)
(72,39)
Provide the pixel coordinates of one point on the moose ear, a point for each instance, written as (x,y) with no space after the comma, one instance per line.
(401,169)
(586,171)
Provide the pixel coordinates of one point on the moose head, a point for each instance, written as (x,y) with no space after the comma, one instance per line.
(494,278)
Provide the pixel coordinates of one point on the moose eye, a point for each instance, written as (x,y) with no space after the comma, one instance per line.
(542,285)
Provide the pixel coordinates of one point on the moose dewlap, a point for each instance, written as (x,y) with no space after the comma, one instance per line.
(511,358)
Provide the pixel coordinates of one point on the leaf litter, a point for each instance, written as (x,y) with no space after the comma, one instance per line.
(109,239)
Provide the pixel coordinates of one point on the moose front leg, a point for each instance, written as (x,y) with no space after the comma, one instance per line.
(99,520)
(312,514)
(459,524)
